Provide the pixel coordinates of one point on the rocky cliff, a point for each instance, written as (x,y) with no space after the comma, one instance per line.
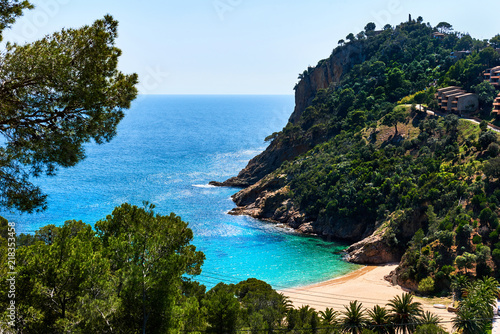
(269,199)
(326,74)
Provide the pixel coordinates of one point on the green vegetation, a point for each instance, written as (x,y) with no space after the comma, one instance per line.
(429,184)
(384,165)
(432,180)
(476,310)
(57,94)
(134,273)
(129,273)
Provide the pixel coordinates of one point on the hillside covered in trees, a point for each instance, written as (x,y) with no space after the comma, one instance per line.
(361,159)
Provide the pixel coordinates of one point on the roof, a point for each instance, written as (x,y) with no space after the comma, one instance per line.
(455,93)
(464,95)
(448,88)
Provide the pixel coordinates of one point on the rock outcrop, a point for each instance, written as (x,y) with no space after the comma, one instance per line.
(328,72)
(372,250)
(266,162)
(269,199)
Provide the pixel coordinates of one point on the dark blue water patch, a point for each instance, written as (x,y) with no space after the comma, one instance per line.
(167,150)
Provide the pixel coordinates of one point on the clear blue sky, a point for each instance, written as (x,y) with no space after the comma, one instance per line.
(239,46)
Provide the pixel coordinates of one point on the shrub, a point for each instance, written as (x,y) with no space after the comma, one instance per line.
(429,329)
(486,138)
(492,169)
(447,269)
(426,286)
(496,254)
(487,216)
(493,149)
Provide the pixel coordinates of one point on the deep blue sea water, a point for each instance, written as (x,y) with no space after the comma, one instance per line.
(167,150)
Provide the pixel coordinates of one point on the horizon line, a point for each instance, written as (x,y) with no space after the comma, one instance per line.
(214,94)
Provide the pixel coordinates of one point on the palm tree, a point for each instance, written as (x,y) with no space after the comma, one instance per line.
(379,320)
(328,316)
(458,283)
(488,287)
(429,318)
(476,310)
(305,312)
(354,318)
(482,296)
(468,322)
(284,305)
(405,313)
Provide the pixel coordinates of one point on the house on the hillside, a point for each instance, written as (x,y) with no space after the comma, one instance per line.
(455,99)
(438,35)
(496,106)
(492,75)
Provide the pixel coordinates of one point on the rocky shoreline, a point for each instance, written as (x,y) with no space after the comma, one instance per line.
(268,200)
(265,196)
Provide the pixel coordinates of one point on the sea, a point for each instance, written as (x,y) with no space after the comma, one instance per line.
(166,151)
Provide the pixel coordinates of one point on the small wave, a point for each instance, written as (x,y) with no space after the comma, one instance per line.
(240,153)
(203,186)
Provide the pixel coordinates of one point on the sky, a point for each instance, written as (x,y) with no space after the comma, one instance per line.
(238,46)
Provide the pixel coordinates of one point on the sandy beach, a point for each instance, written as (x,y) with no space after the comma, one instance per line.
(367,285)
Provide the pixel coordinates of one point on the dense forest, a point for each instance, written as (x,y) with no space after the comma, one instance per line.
(379,163)
(425,183)
(135,272)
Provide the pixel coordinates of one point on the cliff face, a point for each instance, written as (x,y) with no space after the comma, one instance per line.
(326,74)
(372,250)
(269,199)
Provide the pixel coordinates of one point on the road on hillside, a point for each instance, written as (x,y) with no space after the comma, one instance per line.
(432,113)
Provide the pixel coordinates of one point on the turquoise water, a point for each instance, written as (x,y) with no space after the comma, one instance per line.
(167,150)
